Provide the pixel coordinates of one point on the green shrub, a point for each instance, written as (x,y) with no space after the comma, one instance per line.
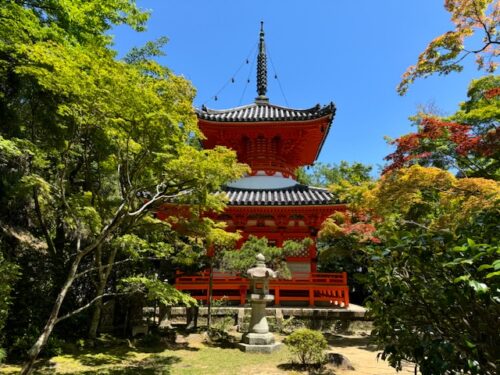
(9,273)
(221,302)
(308,345)
(291,324)
(151,340)
(219,331)
(3,354)
(223,324)
(21,345)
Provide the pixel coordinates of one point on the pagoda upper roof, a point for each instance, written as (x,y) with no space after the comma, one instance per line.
(262,111)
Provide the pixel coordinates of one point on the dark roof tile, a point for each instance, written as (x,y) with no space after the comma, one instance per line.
(264,112)
(300,195)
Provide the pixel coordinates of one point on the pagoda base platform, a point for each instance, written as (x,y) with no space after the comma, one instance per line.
(315,314)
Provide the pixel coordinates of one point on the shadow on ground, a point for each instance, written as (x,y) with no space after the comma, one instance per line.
(361,342)
(311,370)
(115,356)
(153,365)
(116,359)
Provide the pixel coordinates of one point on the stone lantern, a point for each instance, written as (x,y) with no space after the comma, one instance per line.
(260,274)
(259,339)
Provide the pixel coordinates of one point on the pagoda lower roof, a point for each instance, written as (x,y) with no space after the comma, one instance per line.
(297,195)
(263,111)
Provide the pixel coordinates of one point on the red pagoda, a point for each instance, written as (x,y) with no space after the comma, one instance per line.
(274,141)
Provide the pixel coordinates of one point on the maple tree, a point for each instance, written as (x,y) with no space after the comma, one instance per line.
(445,53)
(344,234)
(468,141)
(433,275)
(91,146)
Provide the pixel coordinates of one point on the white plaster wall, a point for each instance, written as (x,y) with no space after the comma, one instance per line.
(299,267)
(263,181)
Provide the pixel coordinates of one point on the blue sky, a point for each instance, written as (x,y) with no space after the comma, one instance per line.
(350,52)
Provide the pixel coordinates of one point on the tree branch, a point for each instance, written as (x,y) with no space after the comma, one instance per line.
(88,270)
(46,234)
(411,222)
(485,28)
(118,216)
(84,307)
(158,197)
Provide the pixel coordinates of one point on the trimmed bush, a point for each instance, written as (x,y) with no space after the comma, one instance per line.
(308,345)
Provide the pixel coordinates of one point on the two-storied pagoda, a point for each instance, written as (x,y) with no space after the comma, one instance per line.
(274,141)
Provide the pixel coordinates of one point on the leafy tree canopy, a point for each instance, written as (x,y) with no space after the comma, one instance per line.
(325,174)
(445,53)
(433,275)
(91,146)
(467,141)
(241,260)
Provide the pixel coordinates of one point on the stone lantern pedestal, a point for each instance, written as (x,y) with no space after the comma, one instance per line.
(259,339)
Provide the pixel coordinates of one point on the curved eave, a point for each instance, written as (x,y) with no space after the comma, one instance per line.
(258,113)
(211,129)
(327,130)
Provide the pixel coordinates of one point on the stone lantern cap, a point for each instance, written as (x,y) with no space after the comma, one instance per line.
(260,271)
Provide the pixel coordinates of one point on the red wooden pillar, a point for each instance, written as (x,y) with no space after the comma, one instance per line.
(277,296)
(243,294)
(311,296)
(344,278)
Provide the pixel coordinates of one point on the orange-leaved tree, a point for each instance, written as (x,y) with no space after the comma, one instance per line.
(468,141)
(434,278)
(445,53)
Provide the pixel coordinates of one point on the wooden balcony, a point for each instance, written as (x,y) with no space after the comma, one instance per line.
(313,289)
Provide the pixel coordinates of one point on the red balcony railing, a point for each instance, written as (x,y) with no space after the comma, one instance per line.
(313,288)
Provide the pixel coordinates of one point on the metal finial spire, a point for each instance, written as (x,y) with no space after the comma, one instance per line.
(262,67)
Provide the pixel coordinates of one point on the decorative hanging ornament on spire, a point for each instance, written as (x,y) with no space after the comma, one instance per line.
(262,68)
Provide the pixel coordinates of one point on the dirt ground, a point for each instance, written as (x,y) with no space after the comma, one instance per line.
(363,356)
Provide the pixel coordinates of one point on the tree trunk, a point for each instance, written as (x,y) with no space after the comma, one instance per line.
(192,317)
(96,314)
(103,276)
(51,322)
(210,291)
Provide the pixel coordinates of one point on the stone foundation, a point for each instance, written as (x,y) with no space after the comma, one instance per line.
(317,317)
(265,349)
(258,338)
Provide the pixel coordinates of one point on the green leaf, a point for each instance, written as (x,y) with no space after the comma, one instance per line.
(493,274)
(461,278)
(484,267)
(466,261)
(478,287)
(470,344)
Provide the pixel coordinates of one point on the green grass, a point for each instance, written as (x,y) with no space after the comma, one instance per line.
(191,358)
(228,361)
